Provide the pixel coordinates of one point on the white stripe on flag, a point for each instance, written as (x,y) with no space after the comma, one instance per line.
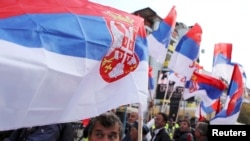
(225,120)
(40,87)
(156,49)
(181,65)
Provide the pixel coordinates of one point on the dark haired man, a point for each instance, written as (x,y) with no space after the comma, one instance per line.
(160,133)
(105,127)
(184,132)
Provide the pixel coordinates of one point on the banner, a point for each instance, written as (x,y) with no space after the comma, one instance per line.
(175,102)
(163,84)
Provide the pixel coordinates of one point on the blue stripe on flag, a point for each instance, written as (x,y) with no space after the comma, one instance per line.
(188,47)
(37,31)
(160,34)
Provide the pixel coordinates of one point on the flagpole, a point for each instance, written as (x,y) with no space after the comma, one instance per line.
(183,110)
(170,96)
(150,106)
(125,117)
(165,95)
(140,122)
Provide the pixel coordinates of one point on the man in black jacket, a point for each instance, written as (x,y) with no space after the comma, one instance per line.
(185,132)
(160,133)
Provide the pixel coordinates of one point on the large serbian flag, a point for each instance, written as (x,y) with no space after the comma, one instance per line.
(63,61)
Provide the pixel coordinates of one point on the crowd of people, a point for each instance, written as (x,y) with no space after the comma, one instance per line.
(109,126)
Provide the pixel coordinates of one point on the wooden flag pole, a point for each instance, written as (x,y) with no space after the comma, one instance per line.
(168,100)
(165,95)
(140,122)
(150,106)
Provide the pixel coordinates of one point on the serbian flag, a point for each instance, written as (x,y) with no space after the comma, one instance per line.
(159,39)
(186,52)
(230,112)
(213,107)
(222,53)
(64,61)
(207,87)
(222,66)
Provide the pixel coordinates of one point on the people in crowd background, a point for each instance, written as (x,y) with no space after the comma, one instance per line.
(160,133)
(134,131)
(106,126)
(185,132)
(132,117)
(170,127)
(201,130)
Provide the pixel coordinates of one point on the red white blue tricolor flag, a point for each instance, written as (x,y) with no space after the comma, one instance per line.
(222,66)
(231,110)
(159,39)
(63,61)
(207,87)
(186,52)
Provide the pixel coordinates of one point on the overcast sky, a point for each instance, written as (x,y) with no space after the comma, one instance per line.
(222,21)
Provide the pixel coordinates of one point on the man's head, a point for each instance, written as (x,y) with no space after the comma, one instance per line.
(134,130)
(201,130)
(171,121)
(133,116)
(106,126)
(160,120)
(185,125)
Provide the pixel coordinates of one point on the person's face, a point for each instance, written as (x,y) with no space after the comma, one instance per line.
(101,133)
(184,126)
(196,132)
(132,117)
(133,133)
(171,122)
(159,121)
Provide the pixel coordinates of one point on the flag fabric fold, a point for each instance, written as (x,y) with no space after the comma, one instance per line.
(159,39)
(222,66)
(222,53)
(186,52)
(200,114)
(62,61)
(207,87)
(151,84)
(231,109)
(177,78)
